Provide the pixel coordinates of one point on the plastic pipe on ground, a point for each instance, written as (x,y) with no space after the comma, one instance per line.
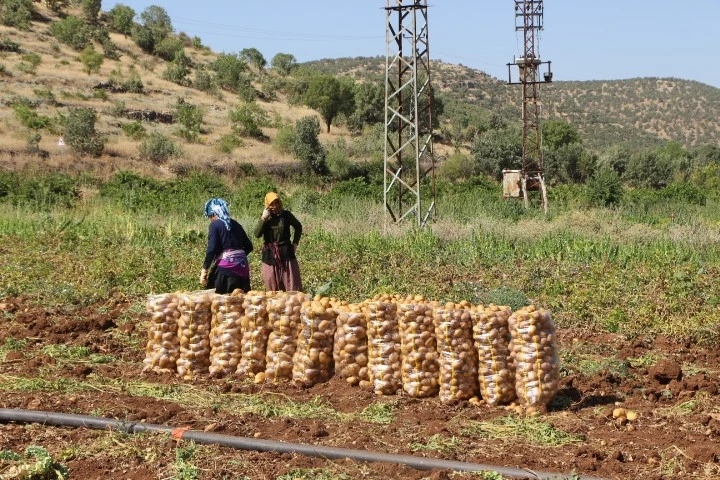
(245,443)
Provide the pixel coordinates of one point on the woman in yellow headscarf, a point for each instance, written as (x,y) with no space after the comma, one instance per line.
(280,269)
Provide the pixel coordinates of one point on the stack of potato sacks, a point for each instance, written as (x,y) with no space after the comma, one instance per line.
(456,351)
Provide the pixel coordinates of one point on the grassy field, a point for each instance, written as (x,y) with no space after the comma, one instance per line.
(648,266)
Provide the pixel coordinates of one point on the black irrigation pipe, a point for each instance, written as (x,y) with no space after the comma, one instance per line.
(244,443)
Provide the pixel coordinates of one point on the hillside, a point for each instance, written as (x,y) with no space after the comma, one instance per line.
(638,112)
(38,69)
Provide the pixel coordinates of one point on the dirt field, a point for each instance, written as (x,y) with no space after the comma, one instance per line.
(674,388)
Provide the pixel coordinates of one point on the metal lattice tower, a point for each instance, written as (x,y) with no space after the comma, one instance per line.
(529,20)
(408,159)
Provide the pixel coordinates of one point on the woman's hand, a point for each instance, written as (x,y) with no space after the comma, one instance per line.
(265,215)
(203,277)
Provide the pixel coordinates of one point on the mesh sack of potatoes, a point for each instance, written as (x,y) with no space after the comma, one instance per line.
(350,350)
(255,331)
(163,345)
(495,365)
(194,332)
(418,348)
(384,357)
(456,351)
(225,334)
(284,318)
(313,360)
(537,367)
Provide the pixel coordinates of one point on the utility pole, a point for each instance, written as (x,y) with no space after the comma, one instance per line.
(529,20)
(409,163)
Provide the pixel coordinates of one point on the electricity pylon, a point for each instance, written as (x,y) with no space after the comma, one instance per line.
(529,20)
(409,163)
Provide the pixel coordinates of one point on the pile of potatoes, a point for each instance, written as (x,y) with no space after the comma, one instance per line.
(163,345)
(456,351)
(284,318)
(255,332)
(313,360)
(384,358)
(495,364)
(457,354)
(418,348)
(194,332)
(535,358)
(350,349)
(225,334)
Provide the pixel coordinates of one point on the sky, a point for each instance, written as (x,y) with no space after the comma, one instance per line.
(583,39)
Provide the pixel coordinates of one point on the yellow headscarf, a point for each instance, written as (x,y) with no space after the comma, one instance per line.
(270,197)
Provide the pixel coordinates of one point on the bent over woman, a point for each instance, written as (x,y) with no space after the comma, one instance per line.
(228,246)
(280,269)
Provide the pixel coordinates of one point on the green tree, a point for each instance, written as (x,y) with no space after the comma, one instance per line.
(80,133)
(229,69)
(91,60)
(497,150)
(329,97)
(155,26)
(122,19)
(284,63)
(649,169)
(16,13)
(168,48)
(569,163)
(369,105)
(91,9)
(557,133)
(307,147)
(253,56)
(615,157)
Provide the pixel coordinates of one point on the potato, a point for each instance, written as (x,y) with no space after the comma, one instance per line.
(534,356)
(163,345)
(313,359)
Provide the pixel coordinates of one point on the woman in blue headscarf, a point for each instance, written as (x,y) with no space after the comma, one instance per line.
(229,246)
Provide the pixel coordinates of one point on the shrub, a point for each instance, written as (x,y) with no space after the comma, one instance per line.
(134,130)
(91,60)
(39,191)
(605,188)
(284,139)
(80,132)
(158,148)
(649,169)
(16,13)
(71,31)
(190,118)
(205,82)
(248,119)
(169,48)
(229,142)
(457,167)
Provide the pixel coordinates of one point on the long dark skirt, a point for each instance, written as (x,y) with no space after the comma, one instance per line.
(227,284)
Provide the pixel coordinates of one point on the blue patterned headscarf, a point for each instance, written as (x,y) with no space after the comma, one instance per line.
(219,207)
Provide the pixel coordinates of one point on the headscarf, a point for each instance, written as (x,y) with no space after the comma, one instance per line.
(219,207)
(270,197)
